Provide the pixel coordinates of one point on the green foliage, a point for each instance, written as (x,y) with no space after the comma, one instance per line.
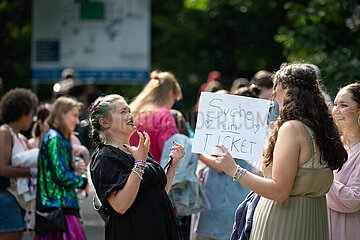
(237,37)
(15,35)
(196,4)
(189,38)
(129,92)
(192,38)
(326,33)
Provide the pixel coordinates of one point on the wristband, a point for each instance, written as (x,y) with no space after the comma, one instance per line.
(140,162)
(134,170)
(241,175)
(137,164)
(141,170)
(235,176)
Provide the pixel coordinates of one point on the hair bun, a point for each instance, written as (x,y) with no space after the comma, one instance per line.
(155,76)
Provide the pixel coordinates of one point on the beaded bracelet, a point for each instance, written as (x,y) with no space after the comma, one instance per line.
(140,170)
(236,172)
(137,173)
(241,175)
(140,165)
(140,162)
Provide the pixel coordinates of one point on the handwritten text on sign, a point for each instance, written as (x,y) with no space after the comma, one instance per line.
(238,123)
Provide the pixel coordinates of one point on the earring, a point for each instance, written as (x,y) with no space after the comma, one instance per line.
(359,120)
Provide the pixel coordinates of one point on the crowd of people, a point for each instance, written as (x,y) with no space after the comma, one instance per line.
(151,186)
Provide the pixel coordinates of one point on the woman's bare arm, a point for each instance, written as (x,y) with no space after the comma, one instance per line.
(210,161)
(285,162)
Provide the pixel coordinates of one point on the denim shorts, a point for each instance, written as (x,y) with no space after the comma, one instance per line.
(11,214)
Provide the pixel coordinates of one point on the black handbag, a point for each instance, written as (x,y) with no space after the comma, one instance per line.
(100,209)
(53,221)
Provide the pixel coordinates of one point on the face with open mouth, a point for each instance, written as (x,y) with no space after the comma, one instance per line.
(122,120)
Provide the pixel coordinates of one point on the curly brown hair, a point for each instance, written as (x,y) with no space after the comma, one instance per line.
(304,101)
(16,103)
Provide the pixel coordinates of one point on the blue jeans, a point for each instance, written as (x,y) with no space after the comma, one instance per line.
(11,214)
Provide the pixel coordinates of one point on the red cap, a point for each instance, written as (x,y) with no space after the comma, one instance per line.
(214,76)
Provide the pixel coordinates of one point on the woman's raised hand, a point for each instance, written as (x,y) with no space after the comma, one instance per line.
(225,160)
(141,151)
(177,152)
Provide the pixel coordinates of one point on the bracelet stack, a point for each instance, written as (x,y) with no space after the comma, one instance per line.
(241,175)
(139,167)
(238,174)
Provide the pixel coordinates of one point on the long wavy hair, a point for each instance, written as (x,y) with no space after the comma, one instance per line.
(304,101)
(155,93)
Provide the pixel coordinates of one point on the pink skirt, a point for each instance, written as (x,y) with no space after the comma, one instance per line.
(74,231)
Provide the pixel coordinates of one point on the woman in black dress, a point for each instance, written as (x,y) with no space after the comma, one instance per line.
(127,180)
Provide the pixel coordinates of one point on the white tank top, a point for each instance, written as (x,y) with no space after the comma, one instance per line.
(19,145)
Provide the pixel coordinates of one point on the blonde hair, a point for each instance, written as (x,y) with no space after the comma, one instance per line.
(156,92)
(55,119)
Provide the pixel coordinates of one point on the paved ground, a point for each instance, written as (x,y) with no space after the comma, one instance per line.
(93,224)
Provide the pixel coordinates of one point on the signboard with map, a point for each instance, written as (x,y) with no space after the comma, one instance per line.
(105,41)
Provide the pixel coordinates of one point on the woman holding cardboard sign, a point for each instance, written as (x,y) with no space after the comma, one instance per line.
(303,150)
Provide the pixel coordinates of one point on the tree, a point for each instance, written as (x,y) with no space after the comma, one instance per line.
(191,38)
(326,33)
(15,35)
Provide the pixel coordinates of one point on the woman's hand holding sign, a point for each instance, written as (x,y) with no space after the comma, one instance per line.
(226,161)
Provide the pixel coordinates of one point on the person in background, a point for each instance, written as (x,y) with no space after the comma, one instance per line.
(57,177)
(186,194)
(304,148)
(321,83)
(223,193)
(209,85)
(130,184)
(151,111)
(16,108)
(40,127)
(343,199)
(247,91)
(81,156)
(262,80)
(69,86)
(239,83)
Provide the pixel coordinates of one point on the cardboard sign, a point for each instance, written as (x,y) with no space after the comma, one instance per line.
(238,123)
